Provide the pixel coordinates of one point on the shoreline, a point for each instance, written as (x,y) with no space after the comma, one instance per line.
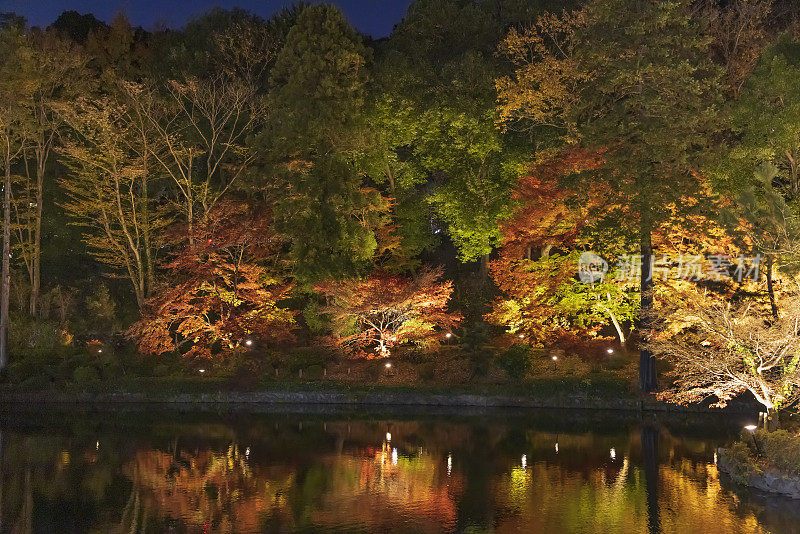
(365,398)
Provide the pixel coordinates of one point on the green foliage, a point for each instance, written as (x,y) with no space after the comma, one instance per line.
(740,459)
(516,361)
(782,449)
(101,307)
(306,357)
(31,337)
(767,119)
(317,322)
(652,94)
(86,377)
(435,109)
(319,80)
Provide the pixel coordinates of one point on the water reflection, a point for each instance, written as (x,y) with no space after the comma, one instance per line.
(142,473)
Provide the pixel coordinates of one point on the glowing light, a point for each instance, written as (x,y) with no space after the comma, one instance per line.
(394,456)
(388,436)
(249,342)
(388,365)
(448,335)
(715,457)
(247,451)
(610,351)
(522,336)
(99,351)
(751,428)
(97,446)
(449,464)
(202,370)
(555,358)
(556,447)
(524,461)
(613,453)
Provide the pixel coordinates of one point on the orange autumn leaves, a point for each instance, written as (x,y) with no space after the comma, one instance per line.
(562,212)
(223,292)
(386,310)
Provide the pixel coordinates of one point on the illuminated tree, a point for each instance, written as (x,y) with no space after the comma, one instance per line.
(646,92)
(387,310)
(16,90)
(436,78)
(200,127)
(107,189)
(739,32)
(221,293)
(543,299)
(720,350)
(310,144)
(57,71)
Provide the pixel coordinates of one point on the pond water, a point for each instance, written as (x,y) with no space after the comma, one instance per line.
(452,471)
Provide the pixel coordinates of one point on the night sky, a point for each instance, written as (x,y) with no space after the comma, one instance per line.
(372,17)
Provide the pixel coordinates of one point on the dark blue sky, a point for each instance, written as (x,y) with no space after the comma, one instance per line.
(373,17)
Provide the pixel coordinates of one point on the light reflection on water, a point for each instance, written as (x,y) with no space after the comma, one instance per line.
(537,473)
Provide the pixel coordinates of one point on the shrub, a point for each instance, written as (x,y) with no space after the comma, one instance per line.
(243,379)
(305,357)
(782,449)
(564,366)
(29,337)
(738,456)
(85,376)
(426,371)
(315,372)
(515,361)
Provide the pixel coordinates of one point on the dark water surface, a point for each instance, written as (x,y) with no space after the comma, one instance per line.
(457,471)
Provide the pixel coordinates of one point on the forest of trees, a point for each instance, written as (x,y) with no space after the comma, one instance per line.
(290,182)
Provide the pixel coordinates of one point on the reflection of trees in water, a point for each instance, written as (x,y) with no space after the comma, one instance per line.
(344,475)
(199,490)
(636,492)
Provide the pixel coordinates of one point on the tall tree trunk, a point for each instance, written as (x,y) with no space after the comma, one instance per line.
(36,283)
(148,250)
(771,289)
(647,362)
(769,420)
(5,277)
(485,268)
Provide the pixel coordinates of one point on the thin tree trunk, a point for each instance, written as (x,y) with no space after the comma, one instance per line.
(36,283)
(771,289)
(5,277)
(145,200)
(617,326)
(647,363)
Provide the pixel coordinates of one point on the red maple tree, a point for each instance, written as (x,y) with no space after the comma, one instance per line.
(536,267)
(387,309)
(223,294)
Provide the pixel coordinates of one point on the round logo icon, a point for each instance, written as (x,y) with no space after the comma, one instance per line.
(591,268)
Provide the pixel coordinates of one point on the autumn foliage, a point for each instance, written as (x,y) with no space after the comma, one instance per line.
(386,310)
(223,294)
(536,271)
(721,349)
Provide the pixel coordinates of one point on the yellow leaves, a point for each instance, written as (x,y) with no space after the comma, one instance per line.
(543,86)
